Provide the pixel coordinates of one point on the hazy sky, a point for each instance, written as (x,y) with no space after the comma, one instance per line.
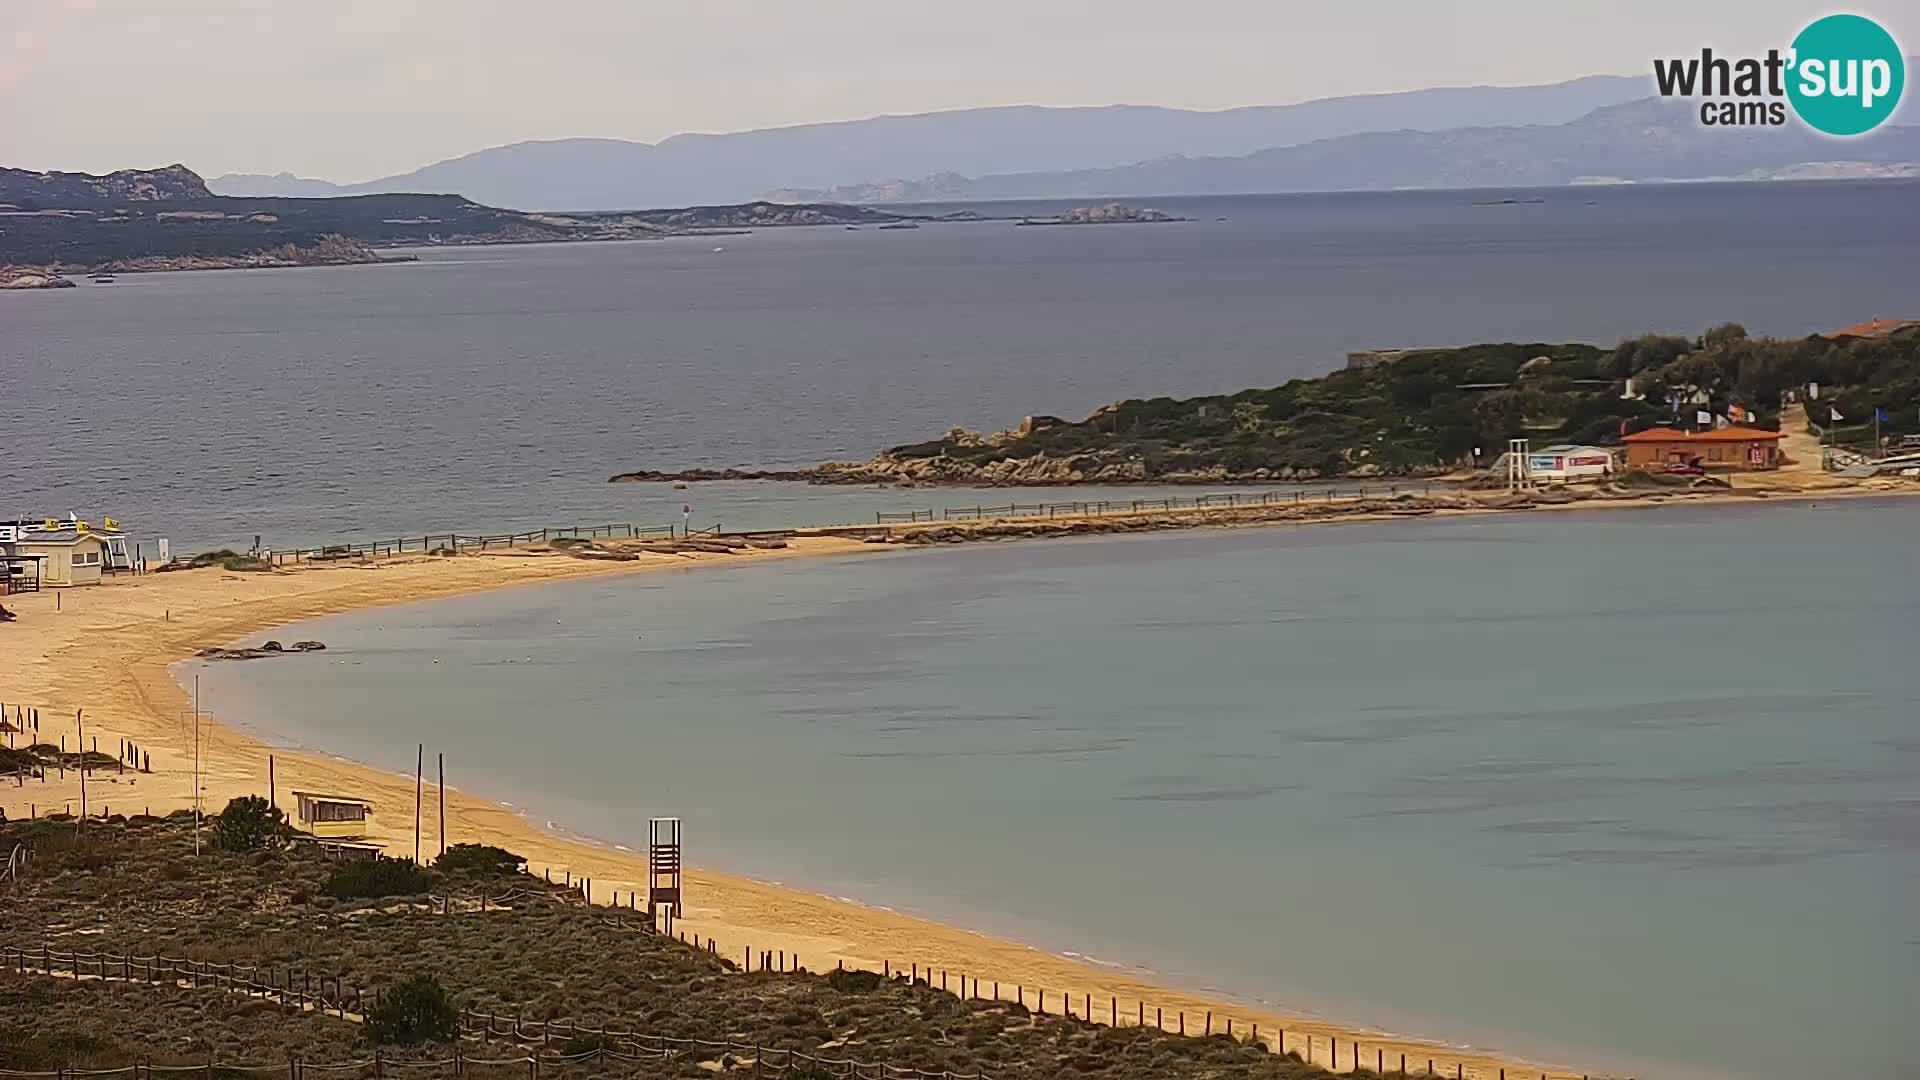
(355,89)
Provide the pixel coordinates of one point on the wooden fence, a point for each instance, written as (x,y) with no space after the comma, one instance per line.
(458,542)
(1099,507)
(301,993)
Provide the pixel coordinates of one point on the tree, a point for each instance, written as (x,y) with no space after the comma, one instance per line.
(1724,334)
(417,1010)
(249,824)
(1635,355)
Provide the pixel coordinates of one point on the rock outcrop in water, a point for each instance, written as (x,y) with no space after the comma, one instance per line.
(33,279)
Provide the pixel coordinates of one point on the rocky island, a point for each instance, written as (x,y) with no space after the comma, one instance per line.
(1110,214)
(1411,413)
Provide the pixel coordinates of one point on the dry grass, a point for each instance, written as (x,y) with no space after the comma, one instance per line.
(137,888)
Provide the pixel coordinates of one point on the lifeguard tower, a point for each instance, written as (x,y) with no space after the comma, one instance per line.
(1519,465)
(663,868)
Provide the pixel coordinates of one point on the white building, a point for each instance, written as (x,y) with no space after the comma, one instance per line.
(1570,464)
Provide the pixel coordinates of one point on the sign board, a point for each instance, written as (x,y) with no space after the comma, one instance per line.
(164,556)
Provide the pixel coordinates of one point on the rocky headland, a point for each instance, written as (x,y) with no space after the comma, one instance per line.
(166,219)
(1413,413)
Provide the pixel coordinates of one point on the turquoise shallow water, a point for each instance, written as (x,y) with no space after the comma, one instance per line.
(1635,789)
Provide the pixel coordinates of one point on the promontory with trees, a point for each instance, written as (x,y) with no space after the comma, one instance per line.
(1416,413)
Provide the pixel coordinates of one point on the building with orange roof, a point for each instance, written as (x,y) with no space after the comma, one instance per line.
(1875,328)
(1741,448)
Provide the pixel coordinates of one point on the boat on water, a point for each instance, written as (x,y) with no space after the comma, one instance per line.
(901,225)
(102,279)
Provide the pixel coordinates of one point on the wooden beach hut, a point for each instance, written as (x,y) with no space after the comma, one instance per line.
(335,817)
(69,556)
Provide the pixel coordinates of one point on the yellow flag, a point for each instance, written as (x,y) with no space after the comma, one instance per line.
(50,524)
(109,523)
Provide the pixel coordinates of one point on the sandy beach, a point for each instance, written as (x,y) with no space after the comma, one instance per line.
(108,651)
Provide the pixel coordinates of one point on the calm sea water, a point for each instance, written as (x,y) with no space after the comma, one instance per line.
(1637,789)
(495,388)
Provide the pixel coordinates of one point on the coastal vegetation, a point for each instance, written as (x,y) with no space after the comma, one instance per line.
(136,887)
(167,220)
(1419,412)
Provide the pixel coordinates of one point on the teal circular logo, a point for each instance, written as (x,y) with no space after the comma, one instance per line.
(1846,76)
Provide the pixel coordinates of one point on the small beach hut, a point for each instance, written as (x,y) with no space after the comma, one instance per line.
(70,556)
(339,817)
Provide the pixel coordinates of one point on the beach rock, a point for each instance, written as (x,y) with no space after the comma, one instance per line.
(270,648)
(34,279)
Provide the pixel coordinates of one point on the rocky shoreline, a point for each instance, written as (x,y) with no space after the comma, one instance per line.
(329,251)
(32,278)
(1410,505)
(1039,470)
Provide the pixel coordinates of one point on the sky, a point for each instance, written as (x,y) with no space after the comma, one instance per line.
(350,90)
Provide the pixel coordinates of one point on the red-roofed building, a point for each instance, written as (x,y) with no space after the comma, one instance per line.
(1875,328)
(1736,447)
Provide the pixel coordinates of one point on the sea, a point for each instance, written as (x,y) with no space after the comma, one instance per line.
(492,389)
(1625,790)
(1631,791)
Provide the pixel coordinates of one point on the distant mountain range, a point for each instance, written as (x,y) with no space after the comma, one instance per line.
(611,174)
(1647,140)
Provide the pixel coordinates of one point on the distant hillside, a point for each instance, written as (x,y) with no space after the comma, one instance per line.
(1645,140)
(39,190)
(612,174)
(66,223)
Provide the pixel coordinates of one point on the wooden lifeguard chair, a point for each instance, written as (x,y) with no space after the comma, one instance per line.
(663,867)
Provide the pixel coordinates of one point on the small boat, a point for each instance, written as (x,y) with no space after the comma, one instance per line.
(102,279)
(901,225)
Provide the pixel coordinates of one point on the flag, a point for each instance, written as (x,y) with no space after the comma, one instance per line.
(1880,415)
(1835,413)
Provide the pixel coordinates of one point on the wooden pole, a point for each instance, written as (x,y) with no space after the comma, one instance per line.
(196,765)
(273,795)
(419,767)
(80,726)
(443,802)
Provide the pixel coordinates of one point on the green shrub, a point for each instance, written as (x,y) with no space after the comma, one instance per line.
(380,876)
(417,1010)
(849,981)
(479,859)
(249,824)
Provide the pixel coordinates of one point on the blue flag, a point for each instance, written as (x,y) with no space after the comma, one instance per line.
(1880,415)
